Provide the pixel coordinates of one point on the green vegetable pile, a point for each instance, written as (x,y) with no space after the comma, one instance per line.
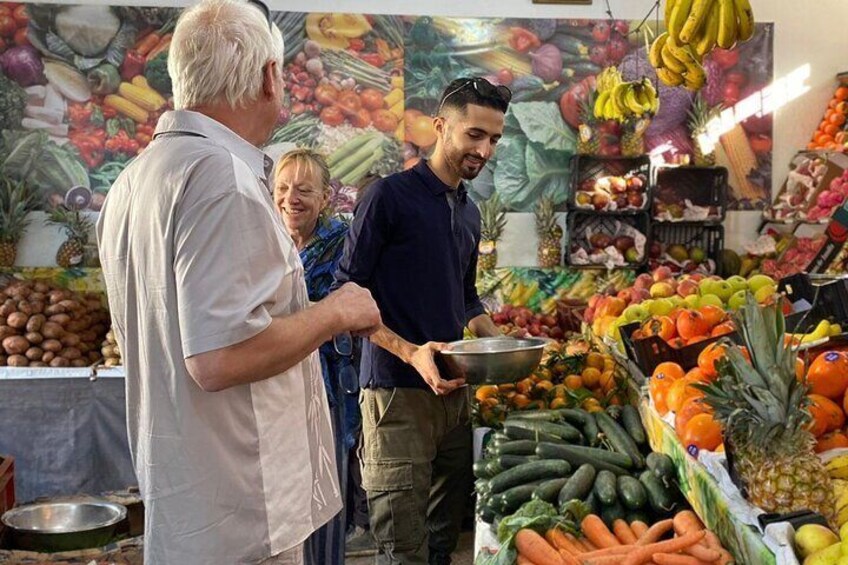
(12,104)
(156,73)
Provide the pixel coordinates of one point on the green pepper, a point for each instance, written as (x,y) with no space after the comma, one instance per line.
(104,79)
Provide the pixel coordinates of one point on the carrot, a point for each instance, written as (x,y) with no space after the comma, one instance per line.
(607,560)
(521,560)
(623,532)
(607,551)
(711,540)
(558,539)
(589,545)
(677,559)
(687,521)
(160,47)
(655,532)
(647,552)
(578,543)
(639,528)
(146,43)
(568,558)
(597,532)
(704,553)
(536,549)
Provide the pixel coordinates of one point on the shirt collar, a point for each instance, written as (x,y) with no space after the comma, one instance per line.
(199,124)
(435,185)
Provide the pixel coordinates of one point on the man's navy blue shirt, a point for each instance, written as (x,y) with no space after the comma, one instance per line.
(420,270)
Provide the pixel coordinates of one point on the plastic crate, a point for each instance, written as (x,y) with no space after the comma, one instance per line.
(589,169)
(828,297)
(580,224)
(709,237)
(649,352)
(705,187)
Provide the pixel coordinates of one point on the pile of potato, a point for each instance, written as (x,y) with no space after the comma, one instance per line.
(111,352)
(44,325)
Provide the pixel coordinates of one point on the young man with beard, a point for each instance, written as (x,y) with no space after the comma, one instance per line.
(413,244)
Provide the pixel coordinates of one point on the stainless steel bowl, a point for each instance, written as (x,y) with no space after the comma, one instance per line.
(493,360)
(64,525)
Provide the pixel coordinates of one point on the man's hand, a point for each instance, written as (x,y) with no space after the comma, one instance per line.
(356,309)
(423,361)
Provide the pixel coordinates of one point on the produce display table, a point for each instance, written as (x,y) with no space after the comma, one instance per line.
(67,432)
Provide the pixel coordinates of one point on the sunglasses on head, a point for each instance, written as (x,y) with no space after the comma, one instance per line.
(483,87)
(263,7)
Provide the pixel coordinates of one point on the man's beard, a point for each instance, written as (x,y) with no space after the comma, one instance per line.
(460,165)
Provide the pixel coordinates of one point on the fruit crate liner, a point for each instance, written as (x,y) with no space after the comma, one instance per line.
(709,237)
(582,225)
(699,187)
(649,352)
(591,168)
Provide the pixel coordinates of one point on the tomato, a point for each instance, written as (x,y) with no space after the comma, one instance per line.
(371,99)
(726,58)
(730,93)
(8,26)
(21,15)
(326,94)
(601,32)
(21,36)
(384,120)
(622,27)
(360,119)
(349,102)
(331,116)
(420,132)
(505,77)
(761,143)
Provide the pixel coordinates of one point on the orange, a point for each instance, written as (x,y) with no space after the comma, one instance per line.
(841,93)
(574,382)
(595,360)
(831,129)
(828,374)
(819,419)
(658,387)
(591,377)
(833,412)
(831,441)
(703,432)
(845,402)
(670,370)
(837,119)
(680,391)
(723,328)
(690,323)
(660,326)
(713,315)
(607,381)
(696,375)
(689,410)
(708,357)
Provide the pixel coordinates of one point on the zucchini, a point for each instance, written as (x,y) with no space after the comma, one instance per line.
(526,434)
(487,515)
(562,430)
(509,461)
(631,492)
(579,485)
(585,421)
(492,468)
(610,514)
(481,469)
(662,466)
(481,486)
(614,411)
(521,447)
(536,415)
(512,499)
(661,498)
(592,502)
(618,439)
(578,455)
(605,487)
(527,473)
(633,424)
(580,67)
(571,45)
(549,490)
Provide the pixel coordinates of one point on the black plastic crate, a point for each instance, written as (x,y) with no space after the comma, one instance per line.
(702,186)
(580,224)
(587,170)
(828,297)
(649,352)
(709,237)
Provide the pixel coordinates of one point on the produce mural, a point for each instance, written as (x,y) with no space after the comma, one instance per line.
(83,86)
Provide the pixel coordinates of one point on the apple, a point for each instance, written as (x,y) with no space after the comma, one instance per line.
(757,282)
(705,287)
(618,184)
(632,255)
(737,300)
(687,287)
(661,307)
(723,290)
(661,290)
(643,281)
(676,300)
(711,300)
(640,295)
(600,201)
(636,313)
(662,273)
(738,283)
(764,293)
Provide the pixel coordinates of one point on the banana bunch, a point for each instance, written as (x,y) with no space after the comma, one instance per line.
(837,468)
(627,100)
(822,330)
(696,27)
(584,288)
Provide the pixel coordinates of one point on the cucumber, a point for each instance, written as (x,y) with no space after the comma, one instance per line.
(571,45)
(493,468)
(618,439)
(631,493)
(523,433)
(509,461)
(585,421)
(562,430)
(662,466)
(661,498)
(633,424)
(487,515)
(481,486)
(593,503)
(613,411)
(610,514)
(549,490)
(521,447)
(579,485)
(481,469)
(512,499)
(578,455)
(498,438)
(580,67)
(605,485)
(536,415)
(527,473)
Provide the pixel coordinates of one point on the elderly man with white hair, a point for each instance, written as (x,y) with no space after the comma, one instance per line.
(228,420)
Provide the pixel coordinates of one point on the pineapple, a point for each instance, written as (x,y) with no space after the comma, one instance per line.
(492,224)
(762,409)
(700,116)
(15,203)
(589,138)
(77,227)
(550,234)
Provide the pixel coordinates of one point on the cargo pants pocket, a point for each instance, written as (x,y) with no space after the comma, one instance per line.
(397,509)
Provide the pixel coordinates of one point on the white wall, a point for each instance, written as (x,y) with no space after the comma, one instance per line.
(806,32)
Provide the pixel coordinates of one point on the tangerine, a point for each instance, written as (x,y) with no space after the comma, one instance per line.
(658,388)
(841,93)
(831,441)
(708,357)
(689,410)
(691,323)
(833,412)
(828,374)
(669,369)
(574,382)
(680,391)
(595,360)
(713,315)
(703,432)
(591,377)
(607,381)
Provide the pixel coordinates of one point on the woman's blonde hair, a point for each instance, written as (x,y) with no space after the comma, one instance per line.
(310,158)
(219,51)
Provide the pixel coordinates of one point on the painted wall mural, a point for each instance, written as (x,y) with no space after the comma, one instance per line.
(82,87)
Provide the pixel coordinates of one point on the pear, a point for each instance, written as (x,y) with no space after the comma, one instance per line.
(826,556)
(811,538)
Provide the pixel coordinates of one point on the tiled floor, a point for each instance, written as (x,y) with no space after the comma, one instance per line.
(464,554)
